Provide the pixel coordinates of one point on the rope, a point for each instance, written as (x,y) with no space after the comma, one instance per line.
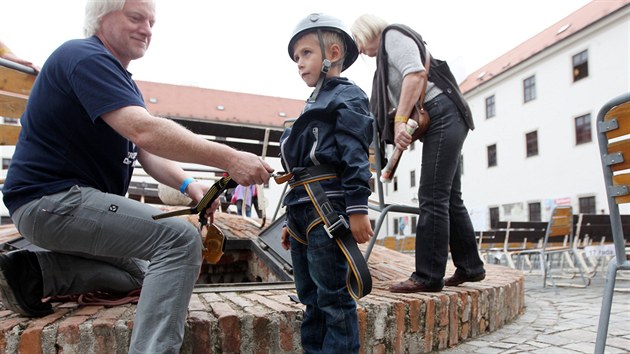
(99,298)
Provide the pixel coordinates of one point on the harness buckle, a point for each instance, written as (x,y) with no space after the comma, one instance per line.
(333,228)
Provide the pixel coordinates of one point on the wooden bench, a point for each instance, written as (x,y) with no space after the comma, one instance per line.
(596,227)
(408,244)
(391,242)
(594,241)
(16,82)
(557,251)
(504,242)
(508,237)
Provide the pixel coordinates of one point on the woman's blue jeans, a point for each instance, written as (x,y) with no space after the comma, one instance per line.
(444,220)
(330,323)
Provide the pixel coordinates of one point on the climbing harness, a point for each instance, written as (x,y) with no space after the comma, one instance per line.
(358,280)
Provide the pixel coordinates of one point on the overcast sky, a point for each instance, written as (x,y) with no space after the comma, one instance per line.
(242,45)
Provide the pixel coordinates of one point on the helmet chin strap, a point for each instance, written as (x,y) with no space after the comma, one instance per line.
(326,64)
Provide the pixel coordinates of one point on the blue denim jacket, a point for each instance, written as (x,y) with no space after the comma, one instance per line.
(334,130)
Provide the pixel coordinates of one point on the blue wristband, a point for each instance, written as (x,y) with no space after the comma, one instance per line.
(185,184)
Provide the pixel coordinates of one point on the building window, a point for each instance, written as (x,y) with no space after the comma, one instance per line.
(580,66)
(6,163)
(490,109)
(494,217)
(412,177)
(534,212)
(492,155)
(414,224)
(531,142)
(529,89)
(587,205)
(583,129)
(395,183)
(395,226)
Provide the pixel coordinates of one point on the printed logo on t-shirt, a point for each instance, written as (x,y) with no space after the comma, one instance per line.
(113,208)
(131,157)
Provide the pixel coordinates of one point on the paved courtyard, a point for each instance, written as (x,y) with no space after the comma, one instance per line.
(559,320)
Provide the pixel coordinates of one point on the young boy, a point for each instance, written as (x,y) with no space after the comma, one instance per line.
(330,140)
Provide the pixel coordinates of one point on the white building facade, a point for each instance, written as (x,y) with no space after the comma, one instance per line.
(535,110)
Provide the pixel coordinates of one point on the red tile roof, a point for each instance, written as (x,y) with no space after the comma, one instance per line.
(216,105)
(589,14)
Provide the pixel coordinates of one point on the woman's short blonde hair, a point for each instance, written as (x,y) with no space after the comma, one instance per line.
(367,27)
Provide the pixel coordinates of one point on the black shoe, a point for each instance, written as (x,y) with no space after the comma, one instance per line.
(21,284)
(412,286)
(459,278)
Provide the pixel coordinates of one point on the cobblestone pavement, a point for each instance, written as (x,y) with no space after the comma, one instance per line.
(559,320)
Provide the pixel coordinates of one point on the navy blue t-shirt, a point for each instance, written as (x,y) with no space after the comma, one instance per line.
(64,142)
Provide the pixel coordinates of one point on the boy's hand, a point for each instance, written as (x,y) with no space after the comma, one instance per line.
(285,240)
(361,228)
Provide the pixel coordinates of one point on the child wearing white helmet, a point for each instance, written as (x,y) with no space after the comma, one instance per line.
(326,149)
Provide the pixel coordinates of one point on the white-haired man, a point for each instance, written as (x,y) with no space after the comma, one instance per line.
(83,128)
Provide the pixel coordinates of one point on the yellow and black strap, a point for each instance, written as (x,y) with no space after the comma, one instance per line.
(359,279)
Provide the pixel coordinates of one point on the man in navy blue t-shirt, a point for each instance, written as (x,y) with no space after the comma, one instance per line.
(84,126)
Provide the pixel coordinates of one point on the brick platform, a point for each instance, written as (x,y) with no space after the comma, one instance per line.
(261,318)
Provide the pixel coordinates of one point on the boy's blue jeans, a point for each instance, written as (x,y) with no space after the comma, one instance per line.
(330,323)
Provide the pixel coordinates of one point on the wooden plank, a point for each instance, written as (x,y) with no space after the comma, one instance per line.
(11,104)
(622,147)
(15,81)
(522,225)
(530,225)
(390,242)
(9,134)
(622,114)
(518,236)
(409,244)
(484,238)
(490,240)
(622,179)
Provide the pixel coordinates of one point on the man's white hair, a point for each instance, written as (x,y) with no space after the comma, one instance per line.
(96,9)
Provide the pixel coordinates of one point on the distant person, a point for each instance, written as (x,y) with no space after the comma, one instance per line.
(332,134)
(243,196)
(443,221)
(255,205)
(226,197)
(84,128)
(7,53)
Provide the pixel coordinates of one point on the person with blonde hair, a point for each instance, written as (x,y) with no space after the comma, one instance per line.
(443,221)
(7,53)
(84,128)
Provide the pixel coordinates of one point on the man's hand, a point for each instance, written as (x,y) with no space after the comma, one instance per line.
(361,228)
(196,191)
(248,169)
